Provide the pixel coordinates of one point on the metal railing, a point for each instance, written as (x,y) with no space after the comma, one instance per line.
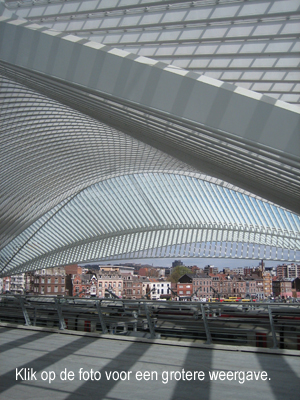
(270,325)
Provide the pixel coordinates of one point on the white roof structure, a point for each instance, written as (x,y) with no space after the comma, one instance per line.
(132,130)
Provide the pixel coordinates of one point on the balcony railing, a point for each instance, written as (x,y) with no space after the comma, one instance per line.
(256,324)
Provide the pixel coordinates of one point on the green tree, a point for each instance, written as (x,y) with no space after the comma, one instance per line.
(177,272)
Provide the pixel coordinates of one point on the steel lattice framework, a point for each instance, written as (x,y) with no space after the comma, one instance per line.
(156,215)
(107,154)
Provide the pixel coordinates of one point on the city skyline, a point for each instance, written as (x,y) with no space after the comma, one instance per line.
(199,262)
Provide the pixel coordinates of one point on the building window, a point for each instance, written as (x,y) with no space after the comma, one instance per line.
(49,280)
(48,289)
(56,280)
(55,289)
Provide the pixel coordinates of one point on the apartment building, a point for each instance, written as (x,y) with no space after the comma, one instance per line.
(50,281)
(133,286)
(288,271)
(110,281)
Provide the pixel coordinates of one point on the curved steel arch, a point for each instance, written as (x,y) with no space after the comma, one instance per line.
(171,215)
(240,136)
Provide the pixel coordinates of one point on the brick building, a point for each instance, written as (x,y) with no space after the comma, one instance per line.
(286,288)
(185,286)
(73,269)
(81,285)
(198,286)
(283,287)
(238,286)
(202,285)
(267,283)
(229,286)
(250,286)
(133,286)
(206,286)
(50,281)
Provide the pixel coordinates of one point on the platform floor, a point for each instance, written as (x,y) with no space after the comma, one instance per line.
(51,354)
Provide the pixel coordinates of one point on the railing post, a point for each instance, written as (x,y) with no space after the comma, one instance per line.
(275,343)
(150,322)
(135,323)
(101,318)
(34,316)
(62,324)
(25,313)
(208,336)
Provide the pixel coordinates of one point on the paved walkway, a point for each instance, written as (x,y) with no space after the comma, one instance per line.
(145,370)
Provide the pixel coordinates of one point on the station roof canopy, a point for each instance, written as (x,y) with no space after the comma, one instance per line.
(148,129)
